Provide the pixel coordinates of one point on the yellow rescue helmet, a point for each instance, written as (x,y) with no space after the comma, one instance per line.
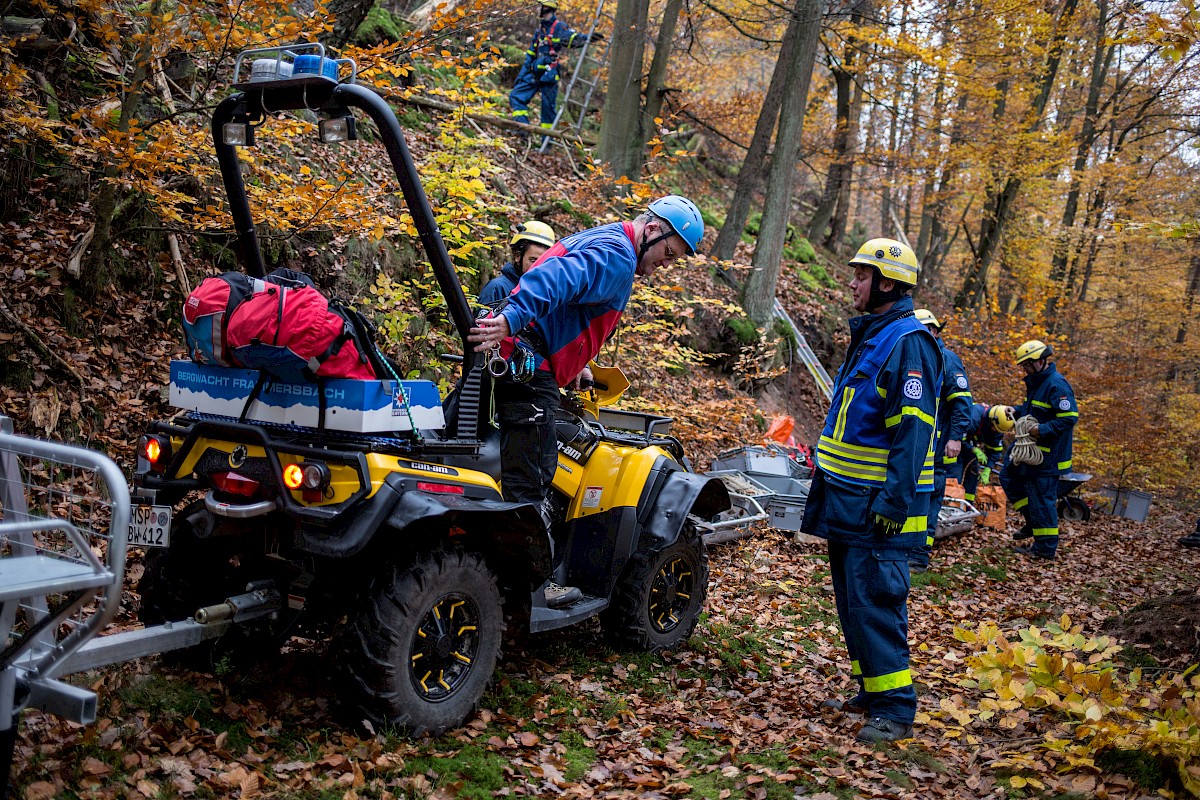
(926,317)
(549,4)
(1033,350)
(893,259)
(534,231)
(1002,418)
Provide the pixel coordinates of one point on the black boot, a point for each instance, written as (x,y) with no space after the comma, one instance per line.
(1193,538)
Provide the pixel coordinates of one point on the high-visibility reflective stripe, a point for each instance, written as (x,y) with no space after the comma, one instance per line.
(855,668)
(872,455)
(959,394)
(849,469)
(969,497)
(994,448)
(1045,531)
(1039,404)
(882,392)
(547,124)
(1064,464)
(520,113)
(949,459)
(1044,449)
(915,524)
(929,541)
(839,429)
(909,411)
(1019,504)
(1067,414)
(885,683)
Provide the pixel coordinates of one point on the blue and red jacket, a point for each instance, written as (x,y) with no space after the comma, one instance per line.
(572,298)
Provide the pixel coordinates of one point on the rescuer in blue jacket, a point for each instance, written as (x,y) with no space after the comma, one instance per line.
(540,72)
(527,245)
(562,311)
(870,492)
(952,419)
(1033,488)
(983,447)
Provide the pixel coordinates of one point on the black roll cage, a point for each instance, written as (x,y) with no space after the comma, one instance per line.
(251,105)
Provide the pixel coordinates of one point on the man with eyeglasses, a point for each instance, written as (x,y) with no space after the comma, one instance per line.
(554,322)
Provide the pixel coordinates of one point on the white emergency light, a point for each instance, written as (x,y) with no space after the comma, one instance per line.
(337,129)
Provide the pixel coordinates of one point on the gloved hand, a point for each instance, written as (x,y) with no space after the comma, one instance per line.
(980,458)
(521,364)
(885,527)
(985,475)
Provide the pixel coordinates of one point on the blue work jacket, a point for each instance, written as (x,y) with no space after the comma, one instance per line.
(550,38)
(875,454)
(500,286)
(982,434)
(954,411)
(1051,401)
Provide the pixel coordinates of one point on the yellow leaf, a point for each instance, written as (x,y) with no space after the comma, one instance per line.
(1017,782)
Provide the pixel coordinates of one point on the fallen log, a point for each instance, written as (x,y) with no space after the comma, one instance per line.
(491,119)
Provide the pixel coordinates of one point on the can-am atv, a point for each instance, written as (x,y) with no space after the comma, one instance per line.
(399,543)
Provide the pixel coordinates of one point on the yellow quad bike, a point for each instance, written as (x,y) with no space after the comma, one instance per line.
(397,546)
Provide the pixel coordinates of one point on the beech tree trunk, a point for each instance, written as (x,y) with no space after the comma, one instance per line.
(844,138)
(753,165)
(758,295)
(621,132)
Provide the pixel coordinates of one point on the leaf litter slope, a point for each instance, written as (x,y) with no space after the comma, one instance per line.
(734,714)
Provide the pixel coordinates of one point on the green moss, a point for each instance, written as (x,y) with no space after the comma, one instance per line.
(799,249)
(1142,768)
(743,330)
(380,25)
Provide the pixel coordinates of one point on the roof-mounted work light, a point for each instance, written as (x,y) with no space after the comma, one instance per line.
(238,133)
(337,129)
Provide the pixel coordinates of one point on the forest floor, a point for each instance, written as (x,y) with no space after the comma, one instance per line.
(734,713)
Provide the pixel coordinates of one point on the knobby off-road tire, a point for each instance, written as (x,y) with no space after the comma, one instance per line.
(421,652)
(660,595)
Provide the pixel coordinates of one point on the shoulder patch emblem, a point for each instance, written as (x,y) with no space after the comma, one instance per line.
(912,389)
(1064,404)
(962,381)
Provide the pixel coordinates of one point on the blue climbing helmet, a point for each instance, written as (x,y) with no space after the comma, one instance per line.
(683,216)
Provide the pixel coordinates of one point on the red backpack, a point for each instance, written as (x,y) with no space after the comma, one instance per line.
(206,315)
(295,334)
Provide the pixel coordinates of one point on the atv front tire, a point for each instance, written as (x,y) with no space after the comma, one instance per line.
(422,651)
(660,595)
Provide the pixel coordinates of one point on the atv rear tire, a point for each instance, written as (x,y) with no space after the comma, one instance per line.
(422,651)
(660,595)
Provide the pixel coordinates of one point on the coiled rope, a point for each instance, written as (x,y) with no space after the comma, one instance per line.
(1025,449)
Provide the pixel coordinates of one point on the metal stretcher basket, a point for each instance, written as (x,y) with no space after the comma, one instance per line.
(64,517)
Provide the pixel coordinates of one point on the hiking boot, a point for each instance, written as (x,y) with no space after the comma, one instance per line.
(559,596)
(881,729)
(1031,553)
(855,705)
(1192,539)
(1026,532)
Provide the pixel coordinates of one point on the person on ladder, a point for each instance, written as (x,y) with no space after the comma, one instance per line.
(540,72)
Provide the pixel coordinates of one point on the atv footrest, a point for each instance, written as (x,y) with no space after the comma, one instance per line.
(542,618)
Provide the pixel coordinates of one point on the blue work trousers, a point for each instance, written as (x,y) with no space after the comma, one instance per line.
(528,84)
(919,556)
(870,587)
(1035,495)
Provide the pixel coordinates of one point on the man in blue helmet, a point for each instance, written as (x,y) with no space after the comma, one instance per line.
(1033,488)
(870,492)
(540,71)
(554,322)
(952,420)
